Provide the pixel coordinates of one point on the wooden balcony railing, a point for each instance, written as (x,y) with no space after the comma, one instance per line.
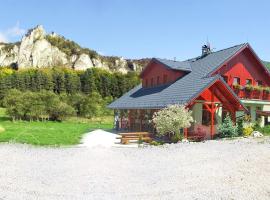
(254,94)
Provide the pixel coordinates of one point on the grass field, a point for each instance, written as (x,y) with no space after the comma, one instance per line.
(49,133)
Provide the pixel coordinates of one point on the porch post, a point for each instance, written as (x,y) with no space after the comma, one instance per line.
(141,114)
(212,121)
(212,114)
(185,133)
(129,120)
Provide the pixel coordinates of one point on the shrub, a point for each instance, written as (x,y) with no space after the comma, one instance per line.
(36,105)
(227,128)
(60,111)
(240,125)
(176,138)
(170,120)
(247,130)
(156,143)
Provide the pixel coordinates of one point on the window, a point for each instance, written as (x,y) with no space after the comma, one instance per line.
(225,78)
(248,82)
(236,80)
(152,82)
(259,83)
(165,78)
(158,80)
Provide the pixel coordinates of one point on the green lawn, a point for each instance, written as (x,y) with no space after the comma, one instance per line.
(49,133)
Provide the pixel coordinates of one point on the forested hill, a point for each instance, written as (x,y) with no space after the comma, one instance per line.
(267,64)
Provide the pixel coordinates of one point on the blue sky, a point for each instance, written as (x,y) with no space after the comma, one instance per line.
(144,28)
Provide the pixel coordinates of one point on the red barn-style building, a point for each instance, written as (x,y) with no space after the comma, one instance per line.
(232,80)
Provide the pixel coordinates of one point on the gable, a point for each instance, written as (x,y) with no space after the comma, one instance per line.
(219,92)
(157,74)
(245,65)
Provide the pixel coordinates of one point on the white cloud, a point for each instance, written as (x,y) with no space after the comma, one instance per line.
(11,32)
(3,37)
(15,30)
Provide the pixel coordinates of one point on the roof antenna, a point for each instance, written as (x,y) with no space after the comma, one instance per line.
(174,59)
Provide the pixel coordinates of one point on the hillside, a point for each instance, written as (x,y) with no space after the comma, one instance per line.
(39,49)
(267,64)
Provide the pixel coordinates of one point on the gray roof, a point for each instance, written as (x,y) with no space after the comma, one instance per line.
(176,65)
(182,90)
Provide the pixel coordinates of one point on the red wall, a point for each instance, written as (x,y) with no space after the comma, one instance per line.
(155,70)
(245,66)
(206,95)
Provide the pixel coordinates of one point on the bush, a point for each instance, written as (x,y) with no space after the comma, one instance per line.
(176,138)
(247,130)
(170,120)
(61,111)
(156,143)
(36,105)
(227,128)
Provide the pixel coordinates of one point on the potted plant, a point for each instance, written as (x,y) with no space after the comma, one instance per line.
(266,91)
(258,88)
(237,86)
(257,91)
(249,88)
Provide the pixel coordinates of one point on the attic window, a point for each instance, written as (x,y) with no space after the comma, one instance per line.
(259,83)
(236,81)
(248,81)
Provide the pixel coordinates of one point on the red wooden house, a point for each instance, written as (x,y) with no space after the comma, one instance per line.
(232,80)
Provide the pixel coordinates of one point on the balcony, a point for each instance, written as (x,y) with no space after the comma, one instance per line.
(254,94)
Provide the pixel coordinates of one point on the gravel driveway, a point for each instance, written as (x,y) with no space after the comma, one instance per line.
(234,169)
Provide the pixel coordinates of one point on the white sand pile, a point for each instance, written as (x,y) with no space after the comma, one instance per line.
(99,138)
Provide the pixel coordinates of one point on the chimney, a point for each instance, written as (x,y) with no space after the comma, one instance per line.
(206,50)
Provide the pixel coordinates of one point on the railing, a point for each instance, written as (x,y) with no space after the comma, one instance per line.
(254,94)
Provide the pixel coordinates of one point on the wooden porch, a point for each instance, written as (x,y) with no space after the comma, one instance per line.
(216,98)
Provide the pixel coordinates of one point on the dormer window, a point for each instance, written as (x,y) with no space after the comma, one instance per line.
(248,82)
(236,81)
(259,83)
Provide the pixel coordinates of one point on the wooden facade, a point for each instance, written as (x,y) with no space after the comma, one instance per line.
(244,68)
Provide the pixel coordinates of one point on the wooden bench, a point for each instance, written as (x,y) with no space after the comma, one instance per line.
(135,136)
(196,137)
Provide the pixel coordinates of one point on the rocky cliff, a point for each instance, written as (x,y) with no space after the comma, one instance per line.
(38,49)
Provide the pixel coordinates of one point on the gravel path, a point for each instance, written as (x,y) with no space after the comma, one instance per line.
(235,169)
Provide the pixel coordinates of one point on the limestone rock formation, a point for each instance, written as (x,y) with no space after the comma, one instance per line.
(83,62)
(35,50)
